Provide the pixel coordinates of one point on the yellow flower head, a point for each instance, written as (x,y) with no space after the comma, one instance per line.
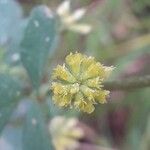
(78,83)
(65,133)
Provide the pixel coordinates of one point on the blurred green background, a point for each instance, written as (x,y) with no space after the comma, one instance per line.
(34,39)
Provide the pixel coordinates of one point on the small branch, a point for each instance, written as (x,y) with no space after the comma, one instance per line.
(127,84)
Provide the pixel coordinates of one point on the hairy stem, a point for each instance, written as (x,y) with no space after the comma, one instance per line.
(127,84)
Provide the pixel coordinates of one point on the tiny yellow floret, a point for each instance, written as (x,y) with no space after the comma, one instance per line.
(79,83)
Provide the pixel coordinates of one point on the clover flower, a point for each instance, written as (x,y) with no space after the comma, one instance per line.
(70,20)
(78,83)
(65,133)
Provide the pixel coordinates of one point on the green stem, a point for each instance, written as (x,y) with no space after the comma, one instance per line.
(127,84)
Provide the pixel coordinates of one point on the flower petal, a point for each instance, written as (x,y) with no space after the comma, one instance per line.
(59,88)
(61,100)
(88,92)
(77,15)
(108,70)
(74,62)
(89,108)
(100,96)
(64,8)
(93,70)
(82,104)
(94,83)
(61,72)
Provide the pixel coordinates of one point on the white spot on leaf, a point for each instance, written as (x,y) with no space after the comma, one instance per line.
(36,23)
(47,39)
(15,57)
(34,121)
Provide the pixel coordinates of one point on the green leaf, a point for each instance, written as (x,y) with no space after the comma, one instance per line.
(10,16)
(10,90)
(38,40)
(13,136)
(12,25)
(11,22)
(35,135)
